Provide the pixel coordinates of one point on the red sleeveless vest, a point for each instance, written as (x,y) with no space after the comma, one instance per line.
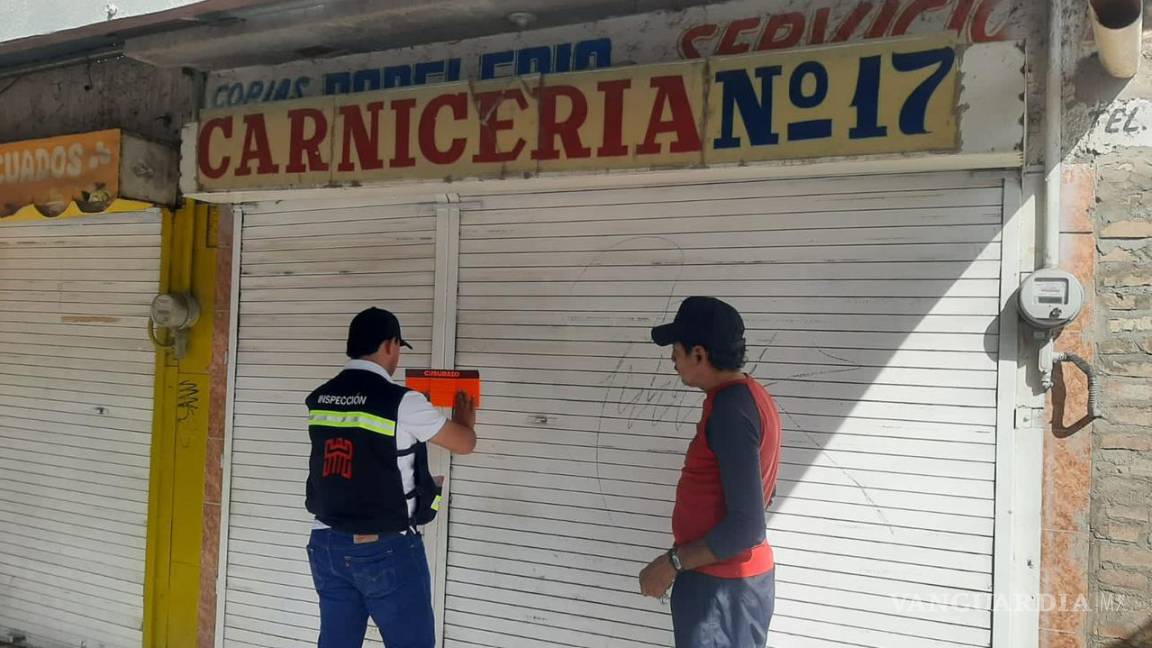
(700,493)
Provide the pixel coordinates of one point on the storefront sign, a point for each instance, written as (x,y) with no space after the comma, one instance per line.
(721,29)
(889,97)
(59,170)
(81,174)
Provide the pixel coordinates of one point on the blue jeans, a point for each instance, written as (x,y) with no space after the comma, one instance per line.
(710,612)
(387,579)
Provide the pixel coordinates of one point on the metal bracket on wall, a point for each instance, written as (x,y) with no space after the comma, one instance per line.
(1029,417)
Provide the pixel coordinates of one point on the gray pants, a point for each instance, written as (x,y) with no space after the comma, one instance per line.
(710,612)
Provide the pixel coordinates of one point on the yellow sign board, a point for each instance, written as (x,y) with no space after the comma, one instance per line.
(84,168)
(74,175)
(884,97)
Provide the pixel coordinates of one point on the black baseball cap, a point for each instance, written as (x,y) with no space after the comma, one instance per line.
(703,321)
(371,328)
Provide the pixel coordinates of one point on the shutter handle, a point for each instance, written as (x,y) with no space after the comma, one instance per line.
(540,419)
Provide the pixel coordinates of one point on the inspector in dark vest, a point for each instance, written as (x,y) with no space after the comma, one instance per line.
(369,488)
(354,482)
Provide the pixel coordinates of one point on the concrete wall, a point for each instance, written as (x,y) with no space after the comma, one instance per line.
(1098,485)
(119,93)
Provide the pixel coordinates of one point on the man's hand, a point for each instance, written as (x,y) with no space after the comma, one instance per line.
(459,435)
(464,410)
(657,577)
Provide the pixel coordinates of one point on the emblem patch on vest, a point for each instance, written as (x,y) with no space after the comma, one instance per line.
(338,458)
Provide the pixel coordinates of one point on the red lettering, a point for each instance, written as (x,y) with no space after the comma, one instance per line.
(914,11)
(793,21)
(820,25)
(458,103)
(256,148)
(980,29)
(736,28)
(884,19)
(671,94)
(688,40)
(204,142)
(960,15)
(613,117)
(490,125)
(403,158)
(567,130)
(365,138)
(852,22)
(299,144)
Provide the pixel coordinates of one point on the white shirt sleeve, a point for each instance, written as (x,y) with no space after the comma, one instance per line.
(418,418)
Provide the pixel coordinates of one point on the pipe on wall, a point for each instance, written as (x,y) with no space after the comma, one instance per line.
(1054,167)
(1118,26)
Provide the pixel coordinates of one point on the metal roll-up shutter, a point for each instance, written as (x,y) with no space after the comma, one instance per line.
(76,394)
(305,272)
(872,306)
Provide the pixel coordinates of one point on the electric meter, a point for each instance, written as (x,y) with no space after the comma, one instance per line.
(178,314)
(1050,298)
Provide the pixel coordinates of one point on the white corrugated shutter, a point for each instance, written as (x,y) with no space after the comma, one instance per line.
(872,306)
(305,271)
(76,381)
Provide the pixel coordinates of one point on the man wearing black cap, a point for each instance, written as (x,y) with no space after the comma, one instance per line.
(370,488)
(721,564)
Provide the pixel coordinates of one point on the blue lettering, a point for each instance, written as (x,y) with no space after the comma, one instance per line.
(397,76)
(453,70)
(756,115)
(364,80)
(283,89)
(337,83)
(255,89)
(814,128)
(796,87)
(236,94)
(496,62)
(593,54)
(300,87)
(866,101)
(428,73)
(220,99)
(913,116)
(563,57)
(534,60)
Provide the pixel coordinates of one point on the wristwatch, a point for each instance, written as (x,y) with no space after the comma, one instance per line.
(674,558)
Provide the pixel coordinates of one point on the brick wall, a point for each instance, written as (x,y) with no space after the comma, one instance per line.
(1121,518)
(1114,163)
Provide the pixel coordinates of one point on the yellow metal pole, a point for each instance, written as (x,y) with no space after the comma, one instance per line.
(180,436)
